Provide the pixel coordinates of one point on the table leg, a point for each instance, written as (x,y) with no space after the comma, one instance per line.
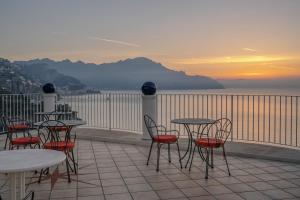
(190,149)
(22,185)
(13,186)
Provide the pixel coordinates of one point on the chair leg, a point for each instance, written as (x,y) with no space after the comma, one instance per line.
(179,154)
(68,170)
(150,153)
(169,153)
(74,163)
(212,158)
(225,158)
(6,140)
(40,176)
(158,155)
(207,163)
(192,158)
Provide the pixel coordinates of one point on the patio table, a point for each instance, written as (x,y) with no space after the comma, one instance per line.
(17,162)
(69,123)
(187,122)
(57,114)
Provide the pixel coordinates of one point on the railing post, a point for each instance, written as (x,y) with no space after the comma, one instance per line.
(109,111)
(149,108)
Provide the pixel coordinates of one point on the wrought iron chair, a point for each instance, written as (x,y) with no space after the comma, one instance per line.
(55,135)
(211,137)
(159,135)
(15,127)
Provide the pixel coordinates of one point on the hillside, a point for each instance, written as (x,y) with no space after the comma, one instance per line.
(18,78)
(128,74)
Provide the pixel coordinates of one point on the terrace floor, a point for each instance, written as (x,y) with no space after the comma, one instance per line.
(115,171)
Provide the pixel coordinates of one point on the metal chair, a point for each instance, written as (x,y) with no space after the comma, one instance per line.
(15,127)
(211,137)
(55,135)
(158,134)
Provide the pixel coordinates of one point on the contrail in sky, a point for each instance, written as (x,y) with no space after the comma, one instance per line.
(248,49)
(115,41)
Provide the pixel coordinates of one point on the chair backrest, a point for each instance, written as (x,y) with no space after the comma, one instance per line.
(224,128)
(151,126)
(53,131)
(3,125)
(218,131)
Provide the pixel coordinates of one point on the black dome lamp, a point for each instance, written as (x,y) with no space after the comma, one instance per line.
(49,88)
(148,88)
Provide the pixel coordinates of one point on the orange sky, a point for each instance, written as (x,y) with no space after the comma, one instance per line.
(224,39)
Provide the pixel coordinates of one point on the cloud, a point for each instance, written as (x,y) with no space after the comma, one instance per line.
(248,49)
(232,59)
(115,41)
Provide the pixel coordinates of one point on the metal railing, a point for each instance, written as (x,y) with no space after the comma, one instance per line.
(21,105)
(113,111)
(269,119)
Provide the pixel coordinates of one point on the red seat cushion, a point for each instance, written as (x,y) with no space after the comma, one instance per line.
(25,140)
(165,138)
(209,142)
(18,127)
(60,146)
(58,128)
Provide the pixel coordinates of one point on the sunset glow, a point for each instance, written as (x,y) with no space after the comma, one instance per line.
(186,36)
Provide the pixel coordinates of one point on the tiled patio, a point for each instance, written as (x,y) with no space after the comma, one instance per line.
(118,171)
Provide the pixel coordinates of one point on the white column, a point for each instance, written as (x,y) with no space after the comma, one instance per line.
(49,102)
(149,108)
(13,186)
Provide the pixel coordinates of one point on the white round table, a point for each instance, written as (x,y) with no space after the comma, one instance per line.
(17,162)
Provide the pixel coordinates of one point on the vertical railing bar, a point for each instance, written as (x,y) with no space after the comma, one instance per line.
(170,125)
(207,106)
(280,115)
(296,121)
(243,111)
(226,107)
(221,106)
(264,117)
(202,107)
(161,109)
(285,120)
(291,132)
(258,118)
(232,117)
(211,105)
(237,116)
(253,107)
(109,111)
(275,113)
(216,106)
(94,110)
(198,106)
(269,119)
(248,117)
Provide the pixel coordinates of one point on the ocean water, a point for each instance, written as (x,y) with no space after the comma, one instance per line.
(258,115)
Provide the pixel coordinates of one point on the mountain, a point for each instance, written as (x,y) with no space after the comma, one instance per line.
(18,78)
(127,74)
(44,74)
